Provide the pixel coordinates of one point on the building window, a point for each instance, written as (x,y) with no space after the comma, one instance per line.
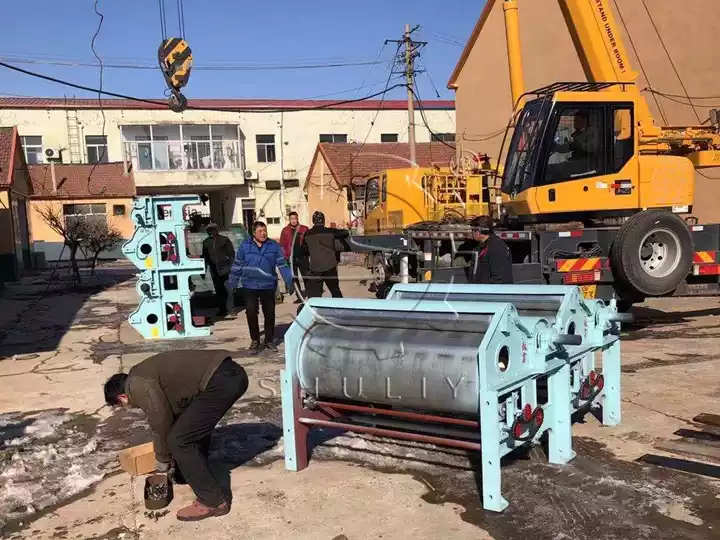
(291,183)
(33,148)
(96,148)
(174,147)
(88,213)
(333,138)
(443,137)
(273,221)
(389,137)
(265,148)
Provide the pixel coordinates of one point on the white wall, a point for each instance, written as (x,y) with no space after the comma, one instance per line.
(299,132)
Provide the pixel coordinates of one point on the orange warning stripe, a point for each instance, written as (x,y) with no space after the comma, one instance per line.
(579,265)
(705,257)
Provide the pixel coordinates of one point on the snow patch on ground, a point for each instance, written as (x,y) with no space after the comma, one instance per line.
(46,458)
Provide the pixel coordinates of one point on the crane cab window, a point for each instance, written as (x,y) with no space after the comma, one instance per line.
(372,194)
(576,150)
(623,142)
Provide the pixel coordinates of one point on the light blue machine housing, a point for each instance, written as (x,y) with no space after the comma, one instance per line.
(569,313)
(463,373)
(158,248)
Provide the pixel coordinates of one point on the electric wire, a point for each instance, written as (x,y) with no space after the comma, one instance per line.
(433,135)
(331,104)
(138,66)
(662,42)
(100,103)
(642,67)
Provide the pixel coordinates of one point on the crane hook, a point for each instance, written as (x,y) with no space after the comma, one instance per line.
(175,59)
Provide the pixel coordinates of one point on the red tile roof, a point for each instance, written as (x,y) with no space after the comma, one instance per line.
(351,163)
(230,104)
(106,180)
(8,138)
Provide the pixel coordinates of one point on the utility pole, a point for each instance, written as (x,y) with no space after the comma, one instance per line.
(411,52)
(410,79)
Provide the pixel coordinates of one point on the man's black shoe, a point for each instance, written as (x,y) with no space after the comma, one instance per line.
(254,346)
(271,347)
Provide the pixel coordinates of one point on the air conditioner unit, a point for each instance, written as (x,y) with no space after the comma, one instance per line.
(53,154)
(251,175)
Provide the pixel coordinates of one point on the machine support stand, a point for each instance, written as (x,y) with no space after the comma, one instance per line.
(294,432)
(490,455)
(560,437)
(611,373)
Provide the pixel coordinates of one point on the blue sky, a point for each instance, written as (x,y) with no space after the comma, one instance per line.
(232,33)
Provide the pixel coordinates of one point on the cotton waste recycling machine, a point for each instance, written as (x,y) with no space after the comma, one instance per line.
(487,368)
(158,248)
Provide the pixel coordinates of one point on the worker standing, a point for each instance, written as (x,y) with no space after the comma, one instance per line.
(319,245)
(218,252)
(254,269)
(491,261)
(291,239)
(184,395)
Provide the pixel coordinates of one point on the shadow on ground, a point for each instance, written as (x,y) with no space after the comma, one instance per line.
(37,311)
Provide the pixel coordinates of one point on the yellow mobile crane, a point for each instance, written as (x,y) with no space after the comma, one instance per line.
(590,153)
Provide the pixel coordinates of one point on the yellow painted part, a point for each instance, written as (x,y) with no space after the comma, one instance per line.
(512,38)
(707,158)
(428,275)
(666,181)
(422,194)
(154,332)
(588,291)
(148,262)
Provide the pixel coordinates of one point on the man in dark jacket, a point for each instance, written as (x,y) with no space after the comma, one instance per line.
(320,246)
(490,261)
(291,239)
(254,270)
(184,395)
(218,253)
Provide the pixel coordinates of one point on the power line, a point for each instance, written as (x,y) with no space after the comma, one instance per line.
(197,108)
(433,135)
(238,67)
(682,85)
(102,109)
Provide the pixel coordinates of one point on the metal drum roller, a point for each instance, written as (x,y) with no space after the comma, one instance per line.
(460,374)
(568,311)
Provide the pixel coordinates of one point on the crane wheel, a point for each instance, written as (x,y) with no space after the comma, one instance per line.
(652,253)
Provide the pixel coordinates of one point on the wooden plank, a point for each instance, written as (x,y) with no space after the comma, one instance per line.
(709,419)
(708,429)
(707,438)
(693,449)
(684,465)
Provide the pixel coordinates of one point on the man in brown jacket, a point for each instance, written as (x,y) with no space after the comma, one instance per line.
(184,395)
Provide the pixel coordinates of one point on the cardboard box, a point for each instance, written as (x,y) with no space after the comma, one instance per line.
(138,460)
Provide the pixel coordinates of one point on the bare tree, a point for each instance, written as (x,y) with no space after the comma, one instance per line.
(99,237)
(72,230)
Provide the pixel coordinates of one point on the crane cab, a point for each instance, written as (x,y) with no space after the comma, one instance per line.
(574,155)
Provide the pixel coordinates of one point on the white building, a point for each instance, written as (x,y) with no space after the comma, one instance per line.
(245,155)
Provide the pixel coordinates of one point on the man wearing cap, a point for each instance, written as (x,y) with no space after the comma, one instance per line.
(319,245)
(490,262)
(219,254)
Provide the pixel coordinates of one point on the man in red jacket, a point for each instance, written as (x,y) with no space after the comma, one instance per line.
(291,239)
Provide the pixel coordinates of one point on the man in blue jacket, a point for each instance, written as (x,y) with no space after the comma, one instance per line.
(254,271)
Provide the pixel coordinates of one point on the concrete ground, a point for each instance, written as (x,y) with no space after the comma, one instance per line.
(59,476)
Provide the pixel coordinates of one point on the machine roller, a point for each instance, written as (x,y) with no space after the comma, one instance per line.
(568,312)
(480,375)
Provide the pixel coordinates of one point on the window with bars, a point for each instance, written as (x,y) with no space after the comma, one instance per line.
(443,137)
(273,221)
(265,148)
(33,149)
(74,213)
(333,138)
(97,151)
(389,137)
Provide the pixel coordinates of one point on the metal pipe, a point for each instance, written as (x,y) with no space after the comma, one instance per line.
(404,269)
(512,38)
(391,434)
(567,339)
(418,427)
(399,414)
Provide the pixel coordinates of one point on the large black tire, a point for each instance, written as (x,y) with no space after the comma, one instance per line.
(652,253)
